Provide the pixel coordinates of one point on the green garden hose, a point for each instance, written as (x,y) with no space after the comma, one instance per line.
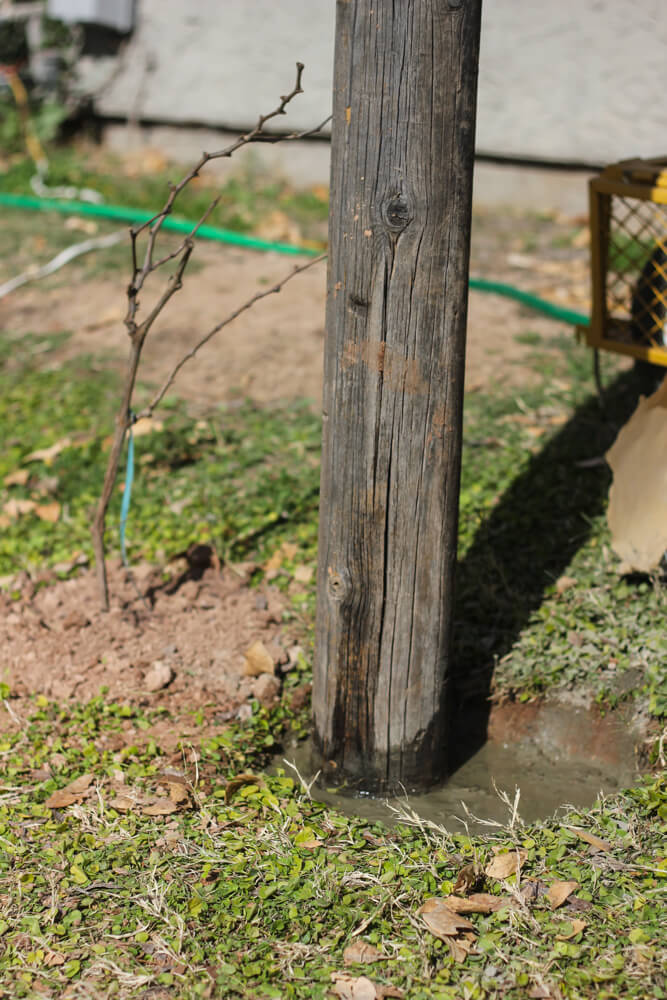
(133,215)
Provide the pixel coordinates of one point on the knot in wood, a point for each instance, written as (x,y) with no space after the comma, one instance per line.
(338,585)
(397,214)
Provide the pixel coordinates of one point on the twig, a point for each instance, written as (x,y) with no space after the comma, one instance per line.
(64,257)
(137,331)
(159,396)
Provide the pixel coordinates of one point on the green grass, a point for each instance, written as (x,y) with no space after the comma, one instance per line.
(256,891)
(245,201)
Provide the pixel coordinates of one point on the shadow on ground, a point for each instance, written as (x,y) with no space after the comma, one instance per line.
(523,547)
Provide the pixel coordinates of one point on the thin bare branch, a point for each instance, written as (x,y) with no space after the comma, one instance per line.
(148,411)
(137,331)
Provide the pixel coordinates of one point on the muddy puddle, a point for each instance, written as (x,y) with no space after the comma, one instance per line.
(540,758)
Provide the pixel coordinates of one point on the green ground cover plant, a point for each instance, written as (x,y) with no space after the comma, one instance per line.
(241,884)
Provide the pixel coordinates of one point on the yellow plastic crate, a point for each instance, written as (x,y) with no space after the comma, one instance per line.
(628,219)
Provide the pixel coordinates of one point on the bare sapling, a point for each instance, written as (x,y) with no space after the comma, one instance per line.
(138,329)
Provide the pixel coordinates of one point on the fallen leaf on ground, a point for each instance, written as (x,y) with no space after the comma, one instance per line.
(576,927)
(362,952)
(16,508)
(48,512)
(564,583)
(468,877)
(160,807)
(461,947)
(361,988)
(559,891)
(53,958)
(352,987)
(70,794)
(538,992)
(178,793)
(303,574)
(147,425)
(479,902)
(239,781)
(73,223)
(122,803)
(18,478)
(48,454)
(440,920)
(258,660)
(590,838)
(277,226)
(636,510)
(504,865)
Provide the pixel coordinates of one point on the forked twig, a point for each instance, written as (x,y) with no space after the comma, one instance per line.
(138,330)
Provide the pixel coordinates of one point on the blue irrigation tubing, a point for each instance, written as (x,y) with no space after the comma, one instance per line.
(127,491)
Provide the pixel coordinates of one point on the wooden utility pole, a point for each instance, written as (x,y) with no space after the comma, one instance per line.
(401,190)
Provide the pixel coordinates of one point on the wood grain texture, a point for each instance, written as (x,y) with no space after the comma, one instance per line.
(401,190)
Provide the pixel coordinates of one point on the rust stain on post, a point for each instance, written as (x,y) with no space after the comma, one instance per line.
(400,373)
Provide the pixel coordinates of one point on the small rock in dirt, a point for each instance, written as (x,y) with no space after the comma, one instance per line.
(261,602)
(266,689)
(170,650)
(245,712)
(76,619)
(158,676)
(258,660)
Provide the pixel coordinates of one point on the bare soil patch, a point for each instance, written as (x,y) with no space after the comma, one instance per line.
(176,640)
(271,352)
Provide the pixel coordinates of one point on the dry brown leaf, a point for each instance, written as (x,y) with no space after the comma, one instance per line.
(590,838)
(504,865)
(178,792)
(147,425)
(74,224)
(440,920)
(70,794)
(18,478)
(258,660)
(360,951)
(48,454)
(122,803)
(160,807)
(274,562)
(538,992)
(303,574)
(15,508)
(468,878)
(53,958)
(479,902)
(559,891)
(353,987)
(277,226)
(636,510)
(564,583)
(361,988)
(577,927)
(48,512)
(239,781)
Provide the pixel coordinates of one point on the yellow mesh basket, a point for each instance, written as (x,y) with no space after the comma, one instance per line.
(628,219)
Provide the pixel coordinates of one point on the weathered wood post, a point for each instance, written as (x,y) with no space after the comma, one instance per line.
(401,190)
